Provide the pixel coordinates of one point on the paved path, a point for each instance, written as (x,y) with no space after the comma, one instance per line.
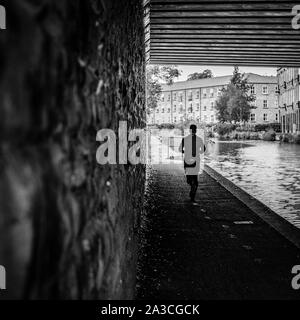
(202,252)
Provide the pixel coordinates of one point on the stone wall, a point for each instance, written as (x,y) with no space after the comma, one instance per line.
(67,224)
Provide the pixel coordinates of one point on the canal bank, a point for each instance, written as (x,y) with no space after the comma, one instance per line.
(219,249)
(285,228)
(268,171)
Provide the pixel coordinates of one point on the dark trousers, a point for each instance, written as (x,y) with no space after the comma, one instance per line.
(193,182)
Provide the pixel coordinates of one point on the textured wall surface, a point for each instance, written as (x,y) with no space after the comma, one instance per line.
(67,224)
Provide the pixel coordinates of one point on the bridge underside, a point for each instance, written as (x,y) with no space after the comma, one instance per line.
(214,32)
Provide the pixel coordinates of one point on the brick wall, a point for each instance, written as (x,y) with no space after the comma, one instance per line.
(67,224)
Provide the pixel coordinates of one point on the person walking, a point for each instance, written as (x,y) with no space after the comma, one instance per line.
(192,146)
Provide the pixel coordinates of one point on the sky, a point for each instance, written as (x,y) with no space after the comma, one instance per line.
(223,71)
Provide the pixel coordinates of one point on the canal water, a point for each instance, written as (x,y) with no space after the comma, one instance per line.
(269,171)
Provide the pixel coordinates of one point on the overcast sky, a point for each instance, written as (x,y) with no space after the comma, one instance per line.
(223,71)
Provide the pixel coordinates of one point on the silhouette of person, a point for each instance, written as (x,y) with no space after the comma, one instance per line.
(192,146)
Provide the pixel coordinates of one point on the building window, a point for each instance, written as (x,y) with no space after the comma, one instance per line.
(265,89)
(162,110)
(211,93)
(174,119)
(162,98)
(181,108)
(198,106)
(190,96)
(205,118)
(197,94)
(252,90)
(276,117)
(157,110)
(252,117)
(204,108)
(212,118)
(219,92)
(211,106)
(180,97)
(265,117)
(204,93)
(265,104)
(174,109)
(175,96)
(169,110)
(169,97)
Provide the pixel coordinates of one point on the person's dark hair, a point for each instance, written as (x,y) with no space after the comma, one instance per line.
(193,127)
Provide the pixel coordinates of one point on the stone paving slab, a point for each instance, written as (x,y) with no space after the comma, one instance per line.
(199,252)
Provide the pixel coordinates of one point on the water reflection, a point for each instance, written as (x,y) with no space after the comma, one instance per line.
(268,171)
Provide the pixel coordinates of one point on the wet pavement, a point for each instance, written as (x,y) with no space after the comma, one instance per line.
(219,249)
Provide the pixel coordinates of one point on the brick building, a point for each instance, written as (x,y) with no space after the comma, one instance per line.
(196,100)
(289,99)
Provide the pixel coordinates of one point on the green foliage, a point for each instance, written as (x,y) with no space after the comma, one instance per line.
(223,112)
(182,125)
(245,127)
(290,138)
(297,139)
(234,104)
(166,126)
(153,94)
(243,135)
(247,135)
(224,128)
(210,134)
(200,75)
(265,127)
(154,76)
(261,127)
(269,135)
(241,82)
(286,138)
(169,73)
(275,126)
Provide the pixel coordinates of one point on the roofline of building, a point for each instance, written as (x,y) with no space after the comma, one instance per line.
(166,87)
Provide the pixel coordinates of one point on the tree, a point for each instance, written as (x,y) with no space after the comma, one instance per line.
(200,75)
(239,106)
(240,81)
(153,87)
(234,104)
(169,73)
(154,76)
(223,113)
